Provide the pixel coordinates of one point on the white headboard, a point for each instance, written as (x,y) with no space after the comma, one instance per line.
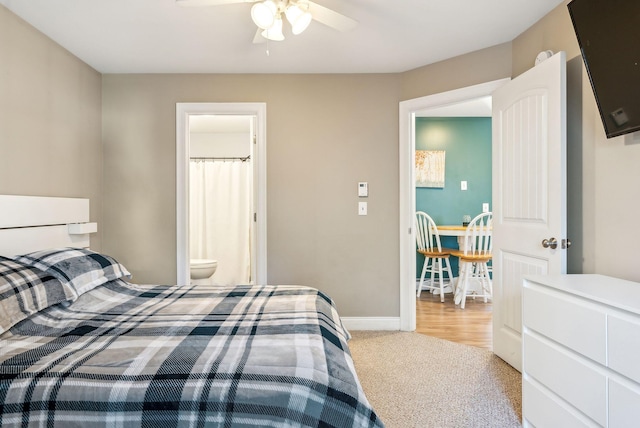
(31,223)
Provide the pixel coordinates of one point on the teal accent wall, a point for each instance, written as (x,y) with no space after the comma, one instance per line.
(467,143)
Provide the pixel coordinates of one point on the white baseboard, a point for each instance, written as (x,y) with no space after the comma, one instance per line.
(371,323)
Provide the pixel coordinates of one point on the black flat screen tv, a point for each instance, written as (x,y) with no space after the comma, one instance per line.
(608,33)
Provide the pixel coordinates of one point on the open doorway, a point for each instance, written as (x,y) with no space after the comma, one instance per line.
(220,199)
(409,111)
(459,137)
(190,116)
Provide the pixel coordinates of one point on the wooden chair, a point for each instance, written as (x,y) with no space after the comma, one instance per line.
(474,257)
(428,244)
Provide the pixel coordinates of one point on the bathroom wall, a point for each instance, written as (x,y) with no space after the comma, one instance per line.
(219,144)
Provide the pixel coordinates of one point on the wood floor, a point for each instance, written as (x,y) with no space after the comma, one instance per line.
(471,325)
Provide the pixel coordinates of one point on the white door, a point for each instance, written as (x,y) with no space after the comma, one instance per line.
(529,192)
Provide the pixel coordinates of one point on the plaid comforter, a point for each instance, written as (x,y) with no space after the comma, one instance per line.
(125,355)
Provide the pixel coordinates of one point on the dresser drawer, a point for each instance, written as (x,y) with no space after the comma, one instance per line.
(624,408)
(565,374)
(580,327)
(541,410)
(623,346)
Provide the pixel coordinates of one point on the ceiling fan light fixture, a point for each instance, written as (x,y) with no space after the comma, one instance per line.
(298,18)
(275,32)
(264,13)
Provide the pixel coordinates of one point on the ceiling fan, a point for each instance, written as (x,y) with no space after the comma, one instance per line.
(268,16)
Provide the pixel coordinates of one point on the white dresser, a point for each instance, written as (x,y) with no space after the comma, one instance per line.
(580,351)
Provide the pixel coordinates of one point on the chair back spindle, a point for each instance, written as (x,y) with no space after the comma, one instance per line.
(474,259)
(436,260)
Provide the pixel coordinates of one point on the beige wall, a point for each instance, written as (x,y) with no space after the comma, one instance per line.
(325,133)
(553,32)
(50,115)
(604,195)
(466,70)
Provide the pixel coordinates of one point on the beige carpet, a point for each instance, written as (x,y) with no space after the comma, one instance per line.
(413,380)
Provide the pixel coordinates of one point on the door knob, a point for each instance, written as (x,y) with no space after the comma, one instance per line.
(550,243)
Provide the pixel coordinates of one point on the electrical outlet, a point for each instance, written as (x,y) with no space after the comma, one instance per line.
(485,207)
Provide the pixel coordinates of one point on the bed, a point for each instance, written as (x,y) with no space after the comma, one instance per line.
(82,345)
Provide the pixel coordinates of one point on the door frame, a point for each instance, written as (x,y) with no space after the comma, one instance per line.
(259,162)
(407,147)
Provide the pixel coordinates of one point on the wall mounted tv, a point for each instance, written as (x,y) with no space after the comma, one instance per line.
(608,33)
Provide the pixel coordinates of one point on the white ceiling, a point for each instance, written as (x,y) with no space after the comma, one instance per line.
(158,36)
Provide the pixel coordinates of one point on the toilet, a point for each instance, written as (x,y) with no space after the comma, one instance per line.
(202,268)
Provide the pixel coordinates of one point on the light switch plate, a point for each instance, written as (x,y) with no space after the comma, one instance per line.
(463,185)
(485,207)
(362,208)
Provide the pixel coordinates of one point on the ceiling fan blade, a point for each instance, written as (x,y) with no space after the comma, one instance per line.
(257,39)
(331,18)
(210,2)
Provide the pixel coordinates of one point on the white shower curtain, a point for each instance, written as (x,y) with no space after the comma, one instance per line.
(220,217)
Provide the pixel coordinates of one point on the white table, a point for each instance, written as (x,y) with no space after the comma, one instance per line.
(450,230)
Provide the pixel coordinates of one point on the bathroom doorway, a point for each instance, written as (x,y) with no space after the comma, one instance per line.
(220,195)
(221,203)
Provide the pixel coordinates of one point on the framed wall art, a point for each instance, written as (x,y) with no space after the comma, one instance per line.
(430,168)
